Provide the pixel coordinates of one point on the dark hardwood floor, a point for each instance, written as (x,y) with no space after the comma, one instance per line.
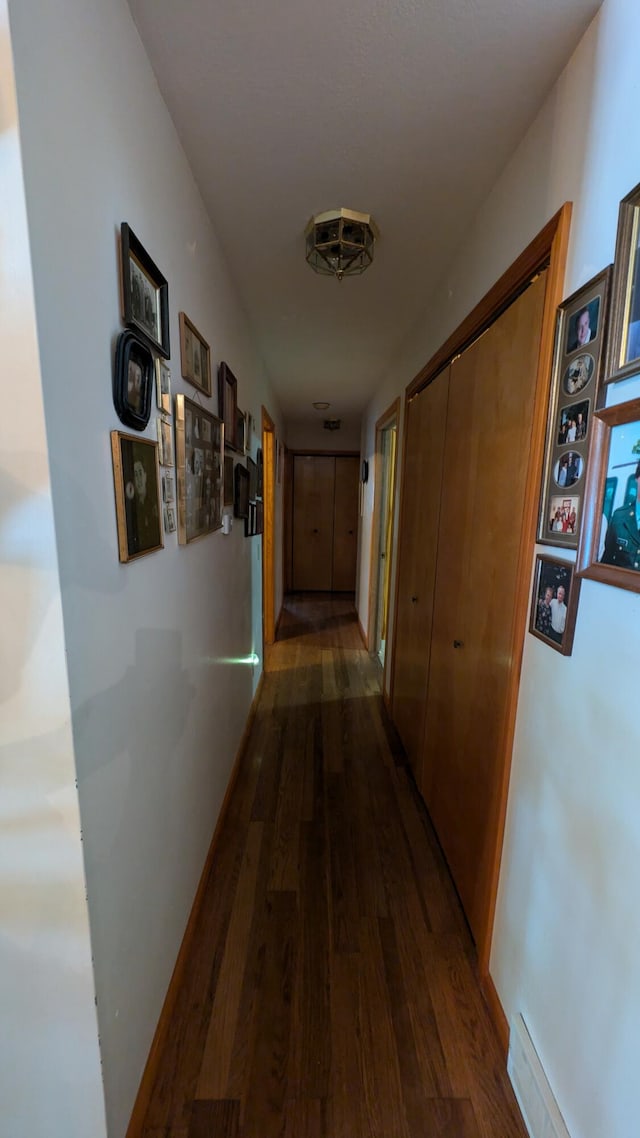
(331,991)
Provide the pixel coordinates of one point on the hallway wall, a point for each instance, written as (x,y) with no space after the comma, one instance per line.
(568,920)
(50,1079)
(159,651)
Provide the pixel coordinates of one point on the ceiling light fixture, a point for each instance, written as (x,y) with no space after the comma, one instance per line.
(321,406)
(340,242)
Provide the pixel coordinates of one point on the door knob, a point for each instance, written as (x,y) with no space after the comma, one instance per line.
(458,644)
(315,531)
(414,600)
(350,531)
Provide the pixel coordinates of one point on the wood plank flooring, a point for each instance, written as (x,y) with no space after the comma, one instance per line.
(331,991)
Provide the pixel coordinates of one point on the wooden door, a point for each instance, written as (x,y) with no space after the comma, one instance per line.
(345,523)
(491,396)
(424,446)
(313,492)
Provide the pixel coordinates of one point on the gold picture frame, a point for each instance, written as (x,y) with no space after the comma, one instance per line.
(195,356)
(137,494)
(199,454)
(623,356)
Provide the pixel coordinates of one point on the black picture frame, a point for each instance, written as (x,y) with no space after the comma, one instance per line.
(228,404)
(133,379)
(550,609)
(241,491)
(260,465)
(145,293)
(252,471)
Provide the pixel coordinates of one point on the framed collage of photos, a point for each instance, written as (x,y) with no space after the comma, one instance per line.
(200,449)
(137,493)
(577,365)
(554,603)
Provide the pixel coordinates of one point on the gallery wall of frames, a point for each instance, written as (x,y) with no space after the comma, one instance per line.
(590,492)
(198,465)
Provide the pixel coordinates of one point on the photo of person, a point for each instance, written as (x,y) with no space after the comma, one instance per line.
(582,325)
(144,300)
(168,487)
(568,468)
(578,374)
(563,515)
(163,387)
(165,440)
(206,431)
(135,386)
(140,480)
(572,424)
(550,619)
(621,512)
(169,519)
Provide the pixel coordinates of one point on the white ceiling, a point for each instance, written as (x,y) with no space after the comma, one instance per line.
(406,109)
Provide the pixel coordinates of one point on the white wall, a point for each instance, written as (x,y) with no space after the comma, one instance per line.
(310,434)
(50,1079)
(568,920)
(159,683)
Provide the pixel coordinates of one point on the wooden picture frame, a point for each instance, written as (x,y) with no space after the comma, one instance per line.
(199,452)
(610,543)
(554,602)
(137,495)
(163,386)
(132,381)
(145,293)
(228,404)
(578,360)
(228,480)
(242,434)
(195,356)
(241,491)
(623,356)
(252,471)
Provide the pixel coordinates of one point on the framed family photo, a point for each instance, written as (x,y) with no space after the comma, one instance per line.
(623,357)
(554,603)
(199,454)
(163,387)
(137,494)
(228,404)
(610,542)
(132,381)
(578,360)
(195,356)
(145,292)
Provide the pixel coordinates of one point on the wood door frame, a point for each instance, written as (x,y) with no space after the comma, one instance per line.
(547,250)
(392,412)
(268,562)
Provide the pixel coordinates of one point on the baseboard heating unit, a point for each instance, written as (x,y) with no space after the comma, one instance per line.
(535,1098)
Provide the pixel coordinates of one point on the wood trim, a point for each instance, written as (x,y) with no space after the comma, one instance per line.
(287,521)
(392,412)
(496,1011)
(362,634)
(557,233)
(143,1097)
(401,521)
(268,560)
(499,297)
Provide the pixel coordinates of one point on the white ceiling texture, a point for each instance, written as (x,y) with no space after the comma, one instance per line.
(405,109)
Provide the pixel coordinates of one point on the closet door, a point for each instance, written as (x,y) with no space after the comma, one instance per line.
(491,397)
(424,445)
(345,523)
(313,491)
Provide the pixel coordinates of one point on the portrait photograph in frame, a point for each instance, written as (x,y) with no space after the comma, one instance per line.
(228,404)
(578,362)
(241,432)
(623,355)
(132,381)
(163,387)
(609,548)
(165,441)
(195,356)
(199,453)
(145,292)
(137,493)
(241,491)
(554,603)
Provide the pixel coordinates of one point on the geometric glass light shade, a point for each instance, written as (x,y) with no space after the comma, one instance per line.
(340,242)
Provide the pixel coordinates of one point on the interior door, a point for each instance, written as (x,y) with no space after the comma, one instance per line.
(491,396)
(424,446)
(313,493)
(345,523)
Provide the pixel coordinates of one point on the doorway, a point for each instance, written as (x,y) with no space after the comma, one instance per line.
(386,448)
(268,494)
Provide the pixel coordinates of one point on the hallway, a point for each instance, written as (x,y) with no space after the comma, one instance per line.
(331,990)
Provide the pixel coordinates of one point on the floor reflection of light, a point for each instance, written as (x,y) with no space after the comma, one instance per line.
(251,660)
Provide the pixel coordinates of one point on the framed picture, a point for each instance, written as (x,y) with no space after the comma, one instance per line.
(228,480)
(132,381)
(165,441)
(260,465)
(163,387)
(578,360)
(168,487)
(252,471)
(610,541)
(554,603)
(228,404)
(145,292)
(195,356)
(170,519)
(137,493)
(259,517)
(623,356)
(250,521)
(241,491)
(242,435)
(199,452)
